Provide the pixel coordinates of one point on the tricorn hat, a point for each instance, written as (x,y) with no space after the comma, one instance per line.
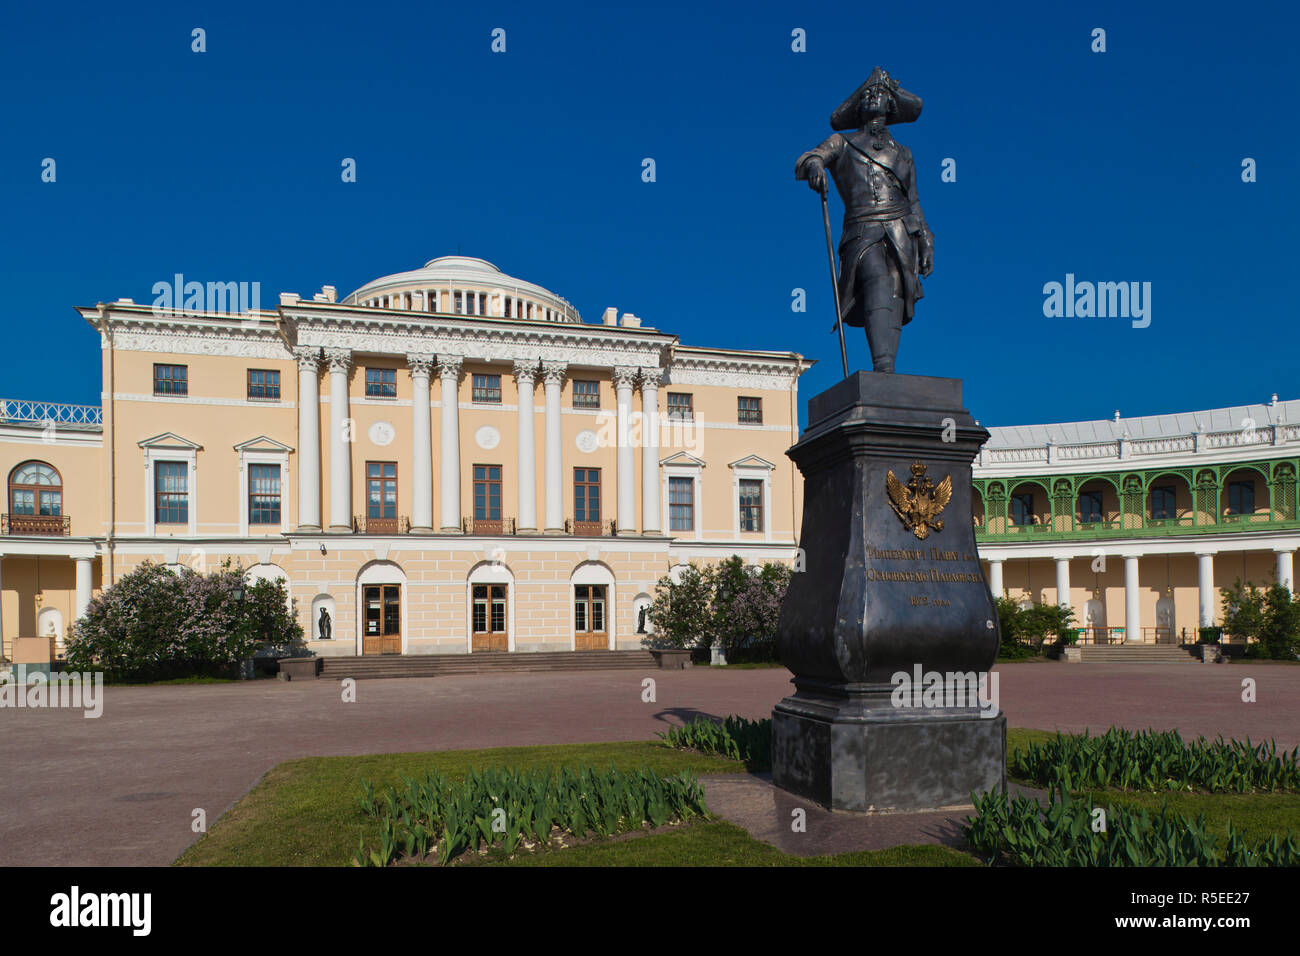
(906,108)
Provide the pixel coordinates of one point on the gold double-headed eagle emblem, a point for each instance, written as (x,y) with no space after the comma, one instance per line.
(919,502)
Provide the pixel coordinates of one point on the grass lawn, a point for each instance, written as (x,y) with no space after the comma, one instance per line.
(305,812)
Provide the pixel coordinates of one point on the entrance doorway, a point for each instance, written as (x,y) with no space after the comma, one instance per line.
(382,624)
(590,625)
(490,617)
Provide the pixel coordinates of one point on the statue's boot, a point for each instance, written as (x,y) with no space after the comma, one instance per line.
(884,319)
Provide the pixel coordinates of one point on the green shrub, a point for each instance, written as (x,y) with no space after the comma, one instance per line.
(439,819)
(1152,760)
(1022,832)
(736,737)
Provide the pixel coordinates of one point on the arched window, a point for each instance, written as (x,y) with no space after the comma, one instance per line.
(35,488)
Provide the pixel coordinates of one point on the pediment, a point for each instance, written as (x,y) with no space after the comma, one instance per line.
(683,458)
(264,444)
(170,441)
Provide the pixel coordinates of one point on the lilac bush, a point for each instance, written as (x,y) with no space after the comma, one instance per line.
(157,621)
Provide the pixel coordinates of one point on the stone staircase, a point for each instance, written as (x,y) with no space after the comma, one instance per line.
(442,665)
(1135,653)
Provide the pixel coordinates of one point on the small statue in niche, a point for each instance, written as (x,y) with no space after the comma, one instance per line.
(323,625)
(641,618)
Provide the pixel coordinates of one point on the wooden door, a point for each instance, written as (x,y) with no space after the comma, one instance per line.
(590,618)
(382,619)
(490,616)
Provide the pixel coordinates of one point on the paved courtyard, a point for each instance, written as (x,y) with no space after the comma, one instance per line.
(120,789)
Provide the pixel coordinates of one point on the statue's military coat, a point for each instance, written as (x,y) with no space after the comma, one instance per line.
(876,179)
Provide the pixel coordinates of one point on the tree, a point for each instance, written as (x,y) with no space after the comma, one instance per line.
(1268,619)
(680,609)
(730,604)
(1025,630)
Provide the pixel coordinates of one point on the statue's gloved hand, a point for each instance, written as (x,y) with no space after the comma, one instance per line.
(925,254)
(816,176)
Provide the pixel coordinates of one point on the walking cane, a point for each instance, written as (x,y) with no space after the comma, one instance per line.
(835,282)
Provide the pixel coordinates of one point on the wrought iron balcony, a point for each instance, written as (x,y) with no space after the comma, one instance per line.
(17,411)
(366,525)
(591,529)
(488,526)
(56,525)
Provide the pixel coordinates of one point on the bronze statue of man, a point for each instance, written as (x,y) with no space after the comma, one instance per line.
(885,245)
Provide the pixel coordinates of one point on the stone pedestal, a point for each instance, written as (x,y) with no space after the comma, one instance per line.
(891,622)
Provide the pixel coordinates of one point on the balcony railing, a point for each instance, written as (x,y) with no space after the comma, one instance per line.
(489,526)
(18,411)
(1132,526)
(590,529)
(36,524)
(367,525)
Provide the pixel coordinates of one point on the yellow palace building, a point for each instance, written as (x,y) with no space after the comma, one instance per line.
(451,460)
(448,460)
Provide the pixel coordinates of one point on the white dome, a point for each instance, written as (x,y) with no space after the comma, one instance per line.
(439,283)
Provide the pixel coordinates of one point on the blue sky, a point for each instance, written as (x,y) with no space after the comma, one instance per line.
(1115,166)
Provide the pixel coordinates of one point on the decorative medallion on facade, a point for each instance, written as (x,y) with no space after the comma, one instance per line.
(919,502)
(382,433)
(487,438)
(587,441)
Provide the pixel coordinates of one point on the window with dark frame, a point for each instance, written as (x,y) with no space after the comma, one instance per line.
(264,494)
(381,383)
(263,383)
(586,495)
(1089,507)
(35,488)
(1163,503)
(171,379)
(171,492)
(680,407)
(749,411)
(751,504)
(487,492)
(1022,508)
(681,504)
(381,489)
(1241,497)
(586,394)
(487,388)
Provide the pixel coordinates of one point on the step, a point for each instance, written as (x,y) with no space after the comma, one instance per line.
(433,665)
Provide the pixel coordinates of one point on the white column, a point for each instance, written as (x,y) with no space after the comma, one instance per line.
(1205,582)
(1132,602)
(1063,582)
(650,523)
(525,379)
(308,438)
(421,445)
(84,587)
(995,578)
(449,377)
(1285,569)
(553,376)
(340,363)
(624,381)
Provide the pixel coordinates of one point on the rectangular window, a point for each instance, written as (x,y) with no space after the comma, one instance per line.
(1241,497)
(681,504)
(1022,508)
(1163,503)
(487,492)
(171,492)
(381,489)
(679,406)
(487,388)
(264,494)
(459,298)
(264,383)
(586,394)
(381,383)
(586,495)
(749,411)
(171,380)
(751,504)
(1089,507)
